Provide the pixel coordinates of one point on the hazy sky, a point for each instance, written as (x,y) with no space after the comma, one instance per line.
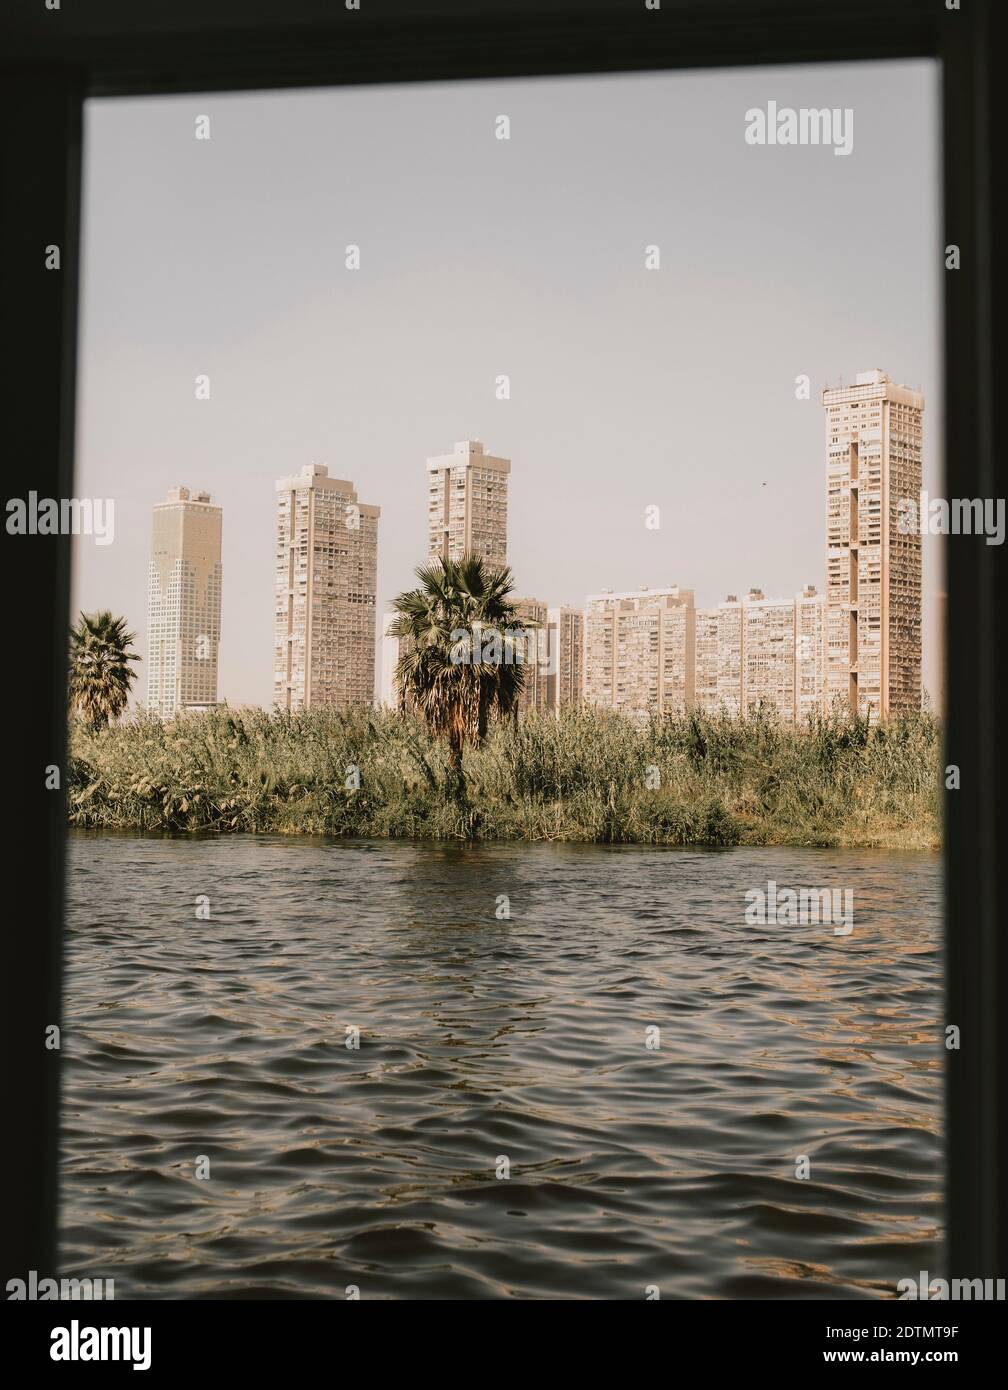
(629,388)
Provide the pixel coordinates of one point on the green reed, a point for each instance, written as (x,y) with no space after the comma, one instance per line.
(583,776)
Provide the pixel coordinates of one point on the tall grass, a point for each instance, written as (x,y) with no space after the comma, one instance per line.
(584,776)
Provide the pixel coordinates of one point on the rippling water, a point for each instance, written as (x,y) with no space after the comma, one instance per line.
(481,1038)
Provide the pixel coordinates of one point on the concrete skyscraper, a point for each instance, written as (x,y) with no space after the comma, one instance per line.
(640,651)
(326,582)
(534,652)
(873,567)
(761,654)
(183,603)
(729,658)
(718,658)
(768,656)
(565,676)
(706,660)
(809,653)
(939,698)
(467,504)
(389,660)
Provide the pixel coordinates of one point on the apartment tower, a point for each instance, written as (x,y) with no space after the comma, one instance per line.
(389,660)
(326,581)
(761,653)
(565,676)
(729,668)
(718,658)
(706,660)
(640,651)
(183,603)
(533,652)
(941,635)
(768,656)
(809,653)
(467,504)
(873,569)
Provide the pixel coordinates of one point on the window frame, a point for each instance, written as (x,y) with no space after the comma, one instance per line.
(53,60)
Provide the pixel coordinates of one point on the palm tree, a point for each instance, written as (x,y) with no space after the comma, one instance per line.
(461,653)
(100,677)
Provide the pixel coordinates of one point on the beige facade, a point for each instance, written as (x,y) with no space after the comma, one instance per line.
(565,677)
(761,652)
(534,651)
(326,581)
(810,653)
(940,696)
(706,660)
(183,603)
(768,656)
(389,660)
(640,651)
(873,577)
(718,658)
(467,504)
(729,669)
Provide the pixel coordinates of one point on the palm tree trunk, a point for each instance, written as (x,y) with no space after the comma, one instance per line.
(456,776)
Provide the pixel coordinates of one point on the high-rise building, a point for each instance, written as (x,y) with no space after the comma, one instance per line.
(873,566)
(941,638)
(533,650)
(467,504)
(183,603)
(809,653)
(768,656)
(565,677)
(640,651)
(761,652)
(729,657)
(706,660)
(389,661)
(326,580)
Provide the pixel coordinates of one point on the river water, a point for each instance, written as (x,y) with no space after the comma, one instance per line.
(511,1125)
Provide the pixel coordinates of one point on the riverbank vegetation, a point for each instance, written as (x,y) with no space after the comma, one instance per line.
(590,775)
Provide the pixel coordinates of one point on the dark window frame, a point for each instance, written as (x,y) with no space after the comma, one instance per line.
(50,61)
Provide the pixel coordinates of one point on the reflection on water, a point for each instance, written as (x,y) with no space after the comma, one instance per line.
(483,1038)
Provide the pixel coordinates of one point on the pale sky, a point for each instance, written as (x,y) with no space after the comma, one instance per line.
(629,388)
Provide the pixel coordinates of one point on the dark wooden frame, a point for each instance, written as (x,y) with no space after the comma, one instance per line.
(51,60)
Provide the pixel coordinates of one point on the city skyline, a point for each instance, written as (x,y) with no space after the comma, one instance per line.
(644,651)
(629,388)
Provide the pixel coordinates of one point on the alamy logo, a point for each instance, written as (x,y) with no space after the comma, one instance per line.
(33,1288)
(952,516)
(507,646)
(76,1343)
(791,907)
(64,516)
(937,1290)
(806,126)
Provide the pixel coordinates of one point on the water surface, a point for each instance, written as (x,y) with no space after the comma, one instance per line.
(482,1038)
